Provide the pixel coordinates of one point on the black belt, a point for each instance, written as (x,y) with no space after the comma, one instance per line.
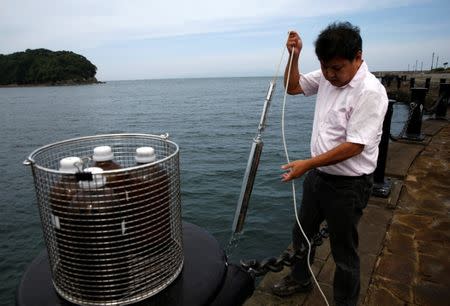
(328,176)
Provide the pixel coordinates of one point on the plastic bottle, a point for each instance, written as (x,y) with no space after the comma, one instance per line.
(62,192)
(104,158)
(152,216)
(97,236)
(60,198)
(119,182)
(92,211)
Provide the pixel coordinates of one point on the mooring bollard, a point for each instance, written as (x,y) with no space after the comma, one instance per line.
(399,82)
(444,93)
(412,82)
(414,124)
(388,81)
(427,83)
(382,187)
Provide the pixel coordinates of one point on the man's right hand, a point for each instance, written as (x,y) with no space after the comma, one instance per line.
(294,46)
(294,41)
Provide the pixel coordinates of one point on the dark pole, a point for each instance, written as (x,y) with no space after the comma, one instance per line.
(427,83)
(413,131)
(412,82)
(442,81)
(444,93)
(432,61)
(381,187)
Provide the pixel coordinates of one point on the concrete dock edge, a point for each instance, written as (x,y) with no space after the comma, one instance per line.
(404,239)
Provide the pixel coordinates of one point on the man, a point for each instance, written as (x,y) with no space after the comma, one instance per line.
(350,108)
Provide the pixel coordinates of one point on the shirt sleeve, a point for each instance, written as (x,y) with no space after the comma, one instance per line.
(310,82)
(365,124)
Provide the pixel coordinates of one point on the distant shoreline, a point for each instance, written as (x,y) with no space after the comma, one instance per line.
(52,84)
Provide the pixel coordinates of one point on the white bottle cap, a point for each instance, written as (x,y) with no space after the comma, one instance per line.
(98,179)
(145,155)
(103,153)
(70,164)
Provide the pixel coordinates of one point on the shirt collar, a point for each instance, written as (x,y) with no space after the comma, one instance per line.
(360,75)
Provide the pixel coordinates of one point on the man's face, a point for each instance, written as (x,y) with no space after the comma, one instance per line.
(340,71)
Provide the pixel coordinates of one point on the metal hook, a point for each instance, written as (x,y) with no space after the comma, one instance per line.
(164,136)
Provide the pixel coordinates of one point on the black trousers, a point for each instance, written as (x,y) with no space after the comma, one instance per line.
(339,200)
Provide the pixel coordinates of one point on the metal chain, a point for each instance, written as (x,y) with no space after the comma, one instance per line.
(412,107)
(287,258)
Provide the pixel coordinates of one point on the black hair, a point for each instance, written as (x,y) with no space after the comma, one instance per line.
(339,39)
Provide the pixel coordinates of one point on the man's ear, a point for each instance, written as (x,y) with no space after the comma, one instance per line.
(358,56)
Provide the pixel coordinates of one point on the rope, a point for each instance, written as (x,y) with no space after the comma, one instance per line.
(279,64)
(292,181)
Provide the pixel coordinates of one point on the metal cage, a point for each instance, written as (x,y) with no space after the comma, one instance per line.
(116,243)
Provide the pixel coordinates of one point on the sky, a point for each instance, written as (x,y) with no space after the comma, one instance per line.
(147,39)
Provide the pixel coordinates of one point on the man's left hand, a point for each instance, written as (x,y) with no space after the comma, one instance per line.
(296,169)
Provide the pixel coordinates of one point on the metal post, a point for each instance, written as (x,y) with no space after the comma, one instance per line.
(412,82)
(413,130)
(444,93)
(427,83)
(432,61)
(442,81)
(388,81)
(382,187)
(399,82)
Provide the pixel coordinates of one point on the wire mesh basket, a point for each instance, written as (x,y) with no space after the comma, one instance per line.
(119,241)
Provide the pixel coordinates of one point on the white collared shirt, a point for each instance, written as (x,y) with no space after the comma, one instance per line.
(351,113)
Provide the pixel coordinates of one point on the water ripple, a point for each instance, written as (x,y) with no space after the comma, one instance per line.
(212,120)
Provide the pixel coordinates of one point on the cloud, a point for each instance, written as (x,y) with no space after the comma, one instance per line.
(71,24)
(162,39)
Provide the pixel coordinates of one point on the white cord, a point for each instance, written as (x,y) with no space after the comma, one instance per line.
(279,64)
(292,181)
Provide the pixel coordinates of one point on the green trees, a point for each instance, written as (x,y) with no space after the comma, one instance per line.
(42,66)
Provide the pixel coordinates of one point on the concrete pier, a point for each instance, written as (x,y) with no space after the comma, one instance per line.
(404,239)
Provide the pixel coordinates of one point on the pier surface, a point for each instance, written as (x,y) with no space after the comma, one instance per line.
(404,239)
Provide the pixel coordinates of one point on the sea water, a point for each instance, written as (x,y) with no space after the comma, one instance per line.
(212,120)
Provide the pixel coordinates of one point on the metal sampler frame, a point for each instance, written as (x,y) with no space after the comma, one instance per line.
(252,166)
(115,244)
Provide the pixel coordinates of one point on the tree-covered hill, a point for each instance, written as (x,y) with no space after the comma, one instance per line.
(42,66)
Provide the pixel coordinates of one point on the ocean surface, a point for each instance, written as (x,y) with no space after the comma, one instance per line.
(212,120)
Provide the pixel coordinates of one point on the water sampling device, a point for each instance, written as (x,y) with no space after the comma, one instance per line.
(252,166)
